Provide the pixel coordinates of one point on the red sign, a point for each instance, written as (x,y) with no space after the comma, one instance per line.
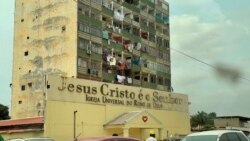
(144,118)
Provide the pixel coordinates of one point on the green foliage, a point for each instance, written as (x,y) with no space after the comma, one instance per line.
(203,119)
(1,138)
(4,112)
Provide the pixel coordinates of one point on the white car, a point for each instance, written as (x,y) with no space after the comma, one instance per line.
(217,135)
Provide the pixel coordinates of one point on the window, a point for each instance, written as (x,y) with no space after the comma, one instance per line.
(84,9)
(233,137)
(160,80)
(20,102)
(152,51)
(26,53)
(166,43)
(96,48)
(84,27)
(82,62)
(159,41)
(30,85)
(151,37)
(167,82)
(84,44)
(23,87)
(242,137)
(152,79)
(94,67)
(63,28)
(95,31)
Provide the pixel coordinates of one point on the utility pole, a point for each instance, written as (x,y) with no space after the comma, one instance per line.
(74,125)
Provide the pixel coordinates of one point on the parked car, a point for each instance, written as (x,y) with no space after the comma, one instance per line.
(108,138)
(31,139)
(217,135)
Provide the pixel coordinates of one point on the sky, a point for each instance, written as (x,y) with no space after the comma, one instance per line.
(215,32)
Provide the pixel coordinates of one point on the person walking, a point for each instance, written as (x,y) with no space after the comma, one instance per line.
(151,137)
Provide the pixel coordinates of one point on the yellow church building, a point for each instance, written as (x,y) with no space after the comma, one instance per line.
(93,68)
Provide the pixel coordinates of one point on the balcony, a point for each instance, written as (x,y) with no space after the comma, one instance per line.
(136,82)
(82,70)
(108,76)
(87,2)
(107,11)
(90,20)
(148,57)
(96,56)
(148,29)
(127,20)
(149,3)
(159,21)
(149,85)
(131,7)
(136,67)
(82,53)
(131,36)
(136,52)
(162,48)
(116,46)
(163,74)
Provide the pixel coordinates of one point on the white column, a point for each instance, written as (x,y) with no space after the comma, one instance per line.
(125,132)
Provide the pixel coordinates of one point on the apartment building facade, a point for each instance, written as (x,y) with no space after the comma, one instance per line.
(125,42)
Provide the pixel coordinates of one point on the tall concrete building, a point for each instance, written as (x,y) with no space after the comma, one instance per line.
(125,42)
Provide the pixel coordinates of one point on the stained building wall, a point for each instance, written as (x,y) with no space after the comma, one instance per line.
(45,42)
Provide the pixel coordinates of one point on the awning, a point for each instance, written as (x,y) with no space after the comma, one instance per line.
(134,119)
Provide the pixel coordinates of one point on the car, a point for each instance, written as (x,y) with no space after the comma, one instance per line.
(217,135)
(31,139)
(108,138)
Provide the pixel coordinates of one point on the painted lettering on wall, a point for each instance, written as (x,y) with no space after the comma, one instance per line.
(104,94)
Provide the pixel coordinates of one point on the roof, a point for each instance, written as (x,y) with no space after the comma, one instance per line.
(107,138)
(125,117)
(240,117)
(128,117)
(24,121)
(213,132)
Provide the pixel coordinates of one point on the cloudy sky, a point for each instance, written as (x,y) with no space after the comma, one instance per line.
(216,32)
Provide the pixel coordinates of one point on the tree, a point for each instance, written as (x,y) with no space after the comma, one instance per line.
(202,119)
(4,112)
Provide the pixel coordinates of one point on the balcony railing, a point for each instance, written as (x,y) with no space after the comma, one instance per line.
(163,74)
(82,70)
(107,11)
(149,3)
(159,21)
(90,20)
(149,85)
(108,76)
(96,56)
(148,56)
(116,46)
(85,2)
(131,7)
(136,67)
(137,82)
(131,36)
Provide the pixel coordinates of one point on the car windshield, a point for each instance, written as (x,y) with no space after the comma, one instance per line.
(201,138)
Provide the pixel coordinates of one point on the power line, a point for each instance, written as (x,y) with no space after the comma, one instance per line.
(203,62)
